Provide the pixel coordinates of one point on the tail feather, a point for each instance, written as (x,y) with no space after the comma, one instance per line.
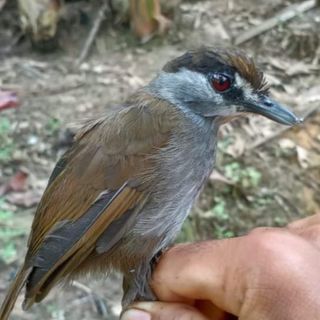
(13,292)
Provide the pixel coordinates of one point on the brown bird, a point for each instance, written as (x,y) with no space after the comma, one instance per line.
(121,192)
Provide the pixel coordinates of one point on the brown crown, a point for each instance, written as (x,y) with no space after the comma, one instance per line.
(247,69)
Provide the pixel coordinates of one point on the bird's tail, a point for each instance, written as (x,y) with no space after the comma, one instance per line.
(13,292)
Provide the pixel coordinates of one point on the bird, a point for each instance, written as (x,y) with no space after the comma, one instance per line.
(119,195)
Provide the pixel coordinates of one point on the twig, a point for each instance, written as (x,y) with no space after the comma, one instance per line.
(8,49)
(281,17)
(286,205)
(93,33)
(277,133)
(98,302)
(82,287)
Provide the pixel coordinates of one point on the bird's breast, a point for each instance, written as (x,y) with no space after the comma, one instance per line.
(183,167)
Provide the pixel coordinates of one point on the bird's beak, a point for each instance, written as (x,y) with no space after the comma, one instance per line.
(272,110)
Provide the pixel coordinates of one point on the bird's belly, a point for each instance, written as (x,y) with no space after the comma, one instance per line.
(162,217)
(182,170)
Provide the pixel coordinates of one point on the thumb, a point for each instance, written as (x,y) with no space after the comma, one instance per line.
(162,310)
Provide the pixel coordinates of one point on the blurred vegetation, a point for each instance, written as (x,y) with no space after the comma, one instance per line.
(266,186)
(8,252)
(6,140)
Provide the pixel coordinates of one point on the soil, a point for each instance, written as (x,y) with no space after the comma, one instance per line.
(267,185)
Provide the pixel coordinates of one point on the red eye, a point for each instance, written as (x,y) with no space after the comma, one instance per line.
(220,82)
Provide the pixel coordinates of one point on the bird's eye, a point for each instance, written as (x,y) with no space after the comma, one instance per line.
(220,82)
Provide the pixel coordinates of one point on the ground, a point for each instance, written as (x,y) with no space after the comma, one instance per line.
(266,174)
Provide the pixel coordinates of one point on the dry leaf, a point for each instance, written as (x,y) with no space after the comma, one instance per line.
(300,68)
(237,148)
(302,157)
(307,159)
(273,80)
(292,69)
(146,19)
(286,143)
(307,136)
(2,3)
(311,95)
(24,199)
(309,198)
(217,176)
(18,182)
(8,100)
(39,18)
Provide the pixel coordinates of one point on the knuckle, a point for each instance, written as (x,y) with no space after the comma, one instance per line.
(278,253)
(267,240)
(311,233)
(260,230)
(283,266)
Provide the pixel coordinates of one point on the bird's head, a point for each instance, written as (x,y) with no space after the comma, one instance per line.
(218,83)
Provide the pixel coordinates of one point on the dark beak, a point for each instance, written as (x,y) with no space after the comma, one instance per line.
(273,110)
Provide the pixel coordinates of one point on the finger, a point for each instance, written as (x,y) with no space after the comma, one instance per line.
(308,228)
(237,274)
(202,271)
(164,310)
(305,222)
(311,234)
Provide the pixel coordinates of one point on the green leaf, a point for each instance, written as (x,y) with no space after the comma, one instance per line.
(232,171)
(254,175)
(5,215)
(4,125)
(53,125)
(219,211)
(7,233)
(8,253)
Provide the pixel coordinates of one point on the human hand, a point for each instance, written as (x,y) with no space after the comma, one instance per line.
(269,274)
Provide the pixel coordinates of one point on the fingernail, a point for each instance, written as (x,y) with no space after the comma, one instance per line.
(135,314)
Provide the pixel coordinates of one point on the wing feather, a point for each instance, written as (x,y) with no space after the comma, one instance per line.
(53,262)
(77,214)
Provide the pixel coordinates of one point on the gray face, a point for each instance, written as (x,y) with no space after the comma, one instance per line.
(217,94)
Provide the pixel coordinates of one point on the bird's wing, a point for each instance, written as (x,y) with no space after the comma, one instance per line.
(97,184)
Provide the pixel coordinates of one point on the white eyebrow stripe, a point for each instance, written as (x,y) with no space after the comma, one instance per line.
(246,88)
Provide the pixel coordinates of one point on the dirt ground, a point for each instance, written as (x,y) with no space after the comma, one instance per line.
(266,174)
